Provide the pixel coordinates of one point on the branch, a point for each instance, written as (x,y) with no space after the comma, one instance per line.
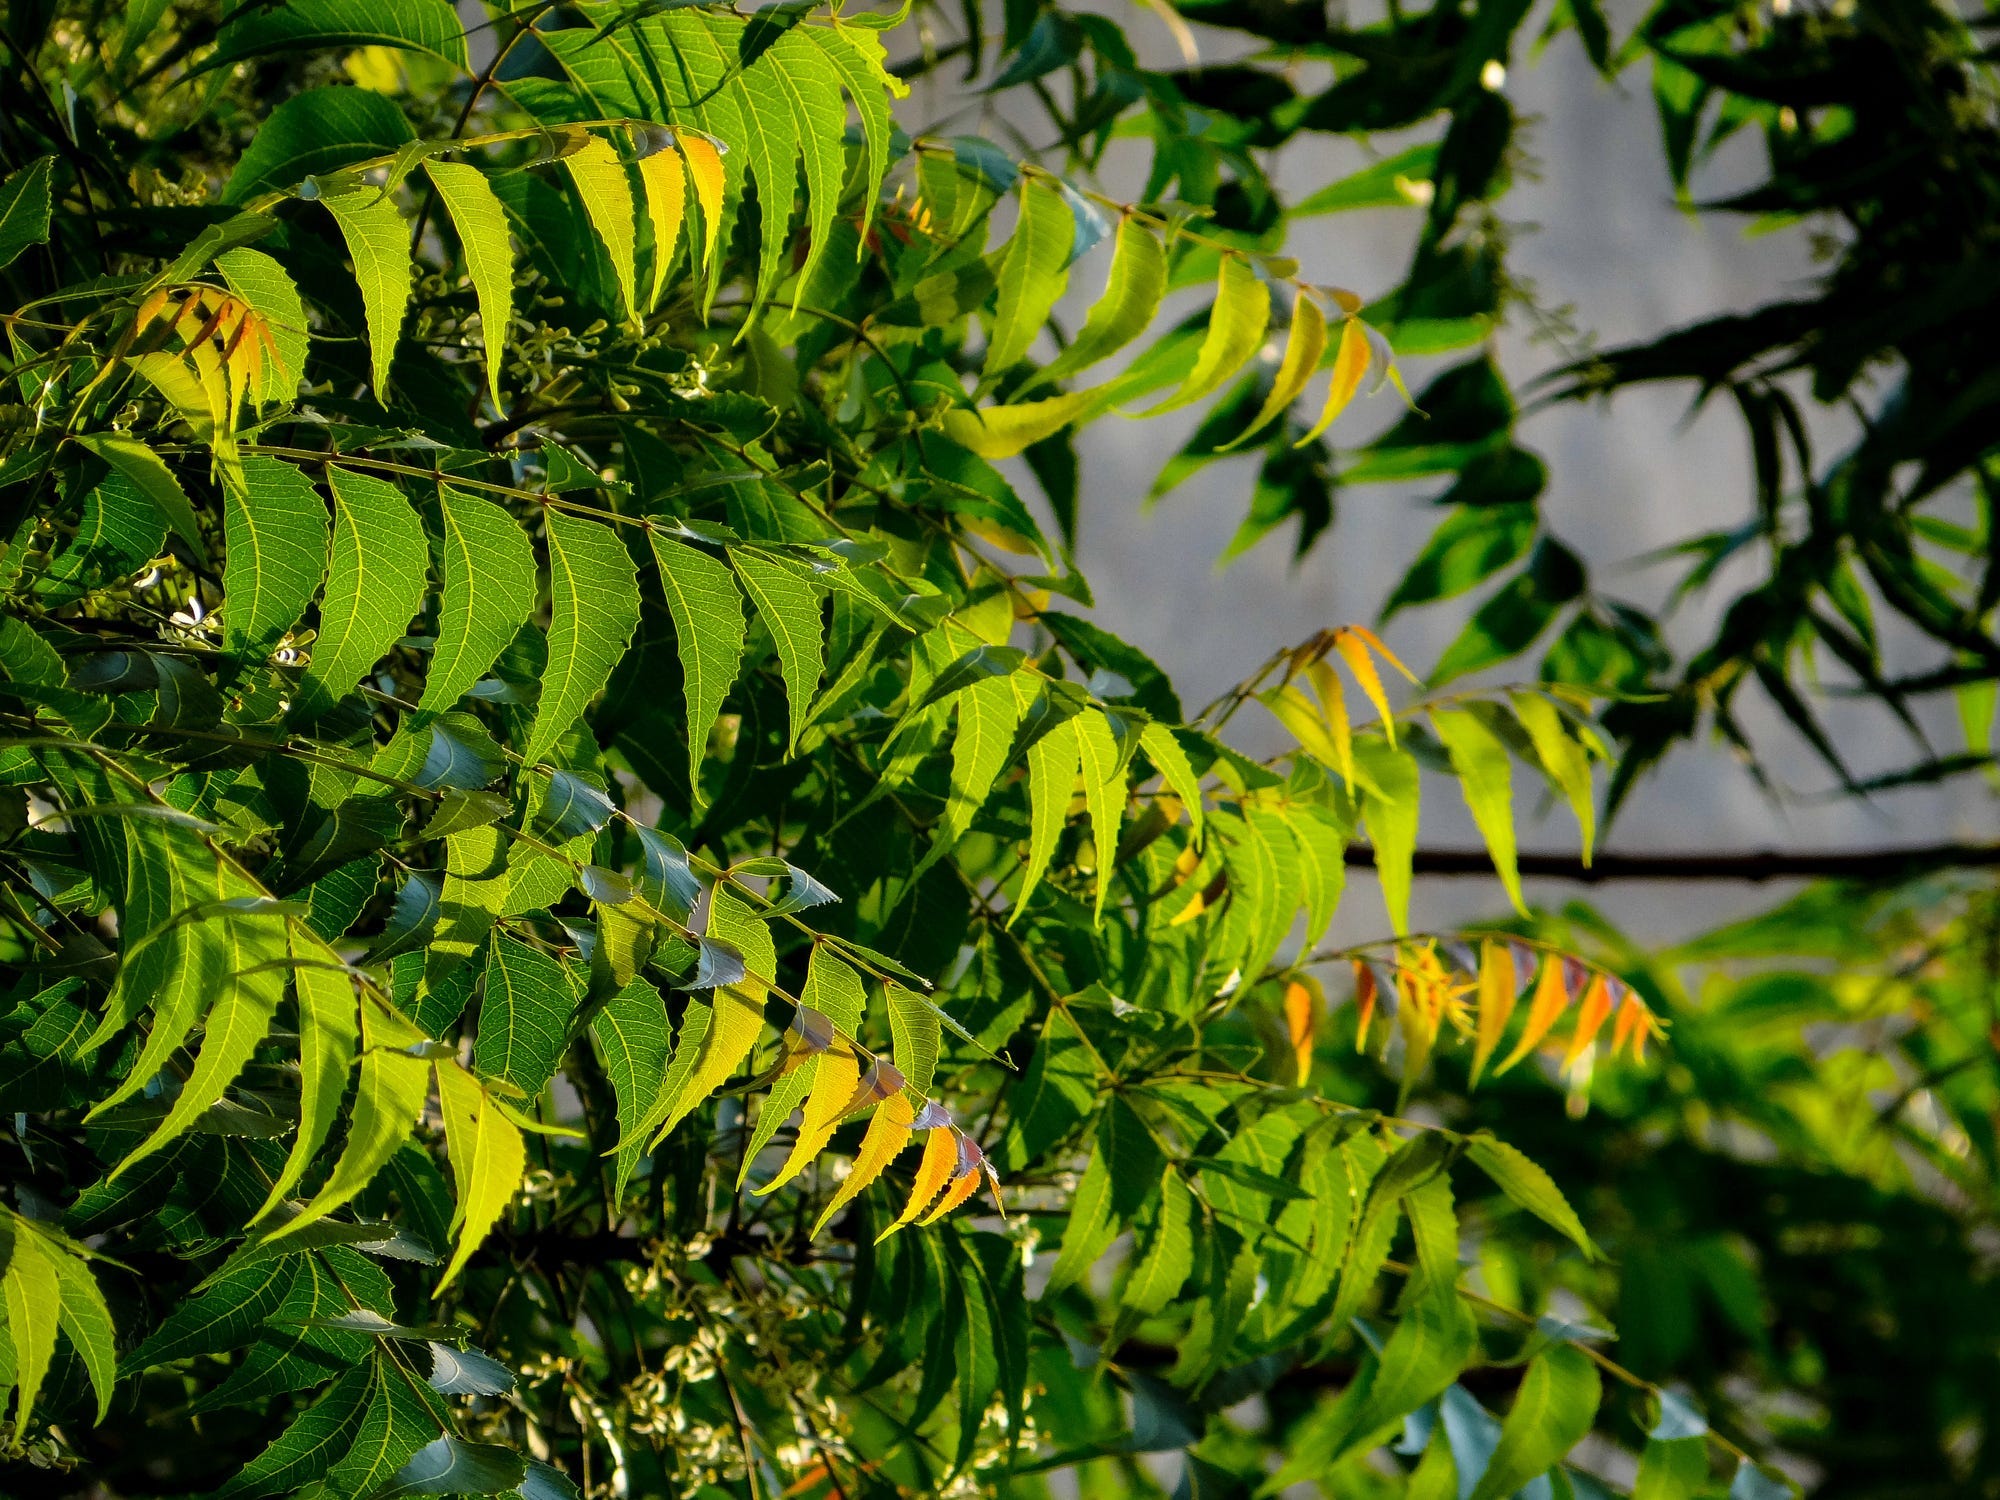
(1750,865)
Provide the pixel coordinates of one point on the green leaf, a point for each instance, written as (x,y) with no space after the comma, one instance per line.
(810,85)
(275,527)
(397,1422)
(1509,622)
(1103,769)
(306,1449)
(1033,272)
(1053,762)
(379,245)
(489,254)
(32,1296)
(153,479)
(487,1160)
(1474,543)
(790,609)
(117,533)
(1124,1166)
(374,584)
(1054,1094)
(996,432)
(452,1466)
(1411,1165)
(856,53)
(1563,757)
(1168,1256)
(633,1038)
(1137,282)
(314,133)
(1434,1337)
(988,714)
(708,1052)
(916,1032)
(1551,1415)
(468,1372)
(223,1313)
(489,592)
(1672,1469)
(1754,1482)
(1091,1227)
(241,1017)
(82,1315)
(414,25)
(606,193)
(24,209)
(593,610)
(524,1019)
(1167,756)
(1389,801)
(1235,332)
(388,1096)
(707,612)
(1529,1187)
(329,1023)
(475,895)
(1485,777)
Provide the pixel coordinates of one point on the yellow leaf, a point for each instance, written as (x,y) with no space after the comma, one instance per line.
(704,165)
(1355,654)
(1333,710)
(1291,708)
(733,1025)
(940,1157)
(606,195)
(1374,643)
(839,1073)
(888,1133)
(487,1160)
(1550,1000)
(1303,347)
(1301,1010)
(1497,994)
(1364,1002)
(663,176)
(1350,363)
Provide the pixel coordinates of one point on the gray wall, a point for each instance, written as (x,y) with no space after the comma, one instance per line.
(1599,232)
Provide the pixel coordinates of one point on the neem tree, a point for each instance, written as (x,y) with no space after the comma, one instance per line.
(541,756)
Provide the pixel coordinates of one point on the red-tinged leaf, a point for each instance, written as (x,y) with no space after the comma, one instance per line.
(1550,1000)
(1301,1011)
(1364,1000)
(1589,1020)
(939,1160)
